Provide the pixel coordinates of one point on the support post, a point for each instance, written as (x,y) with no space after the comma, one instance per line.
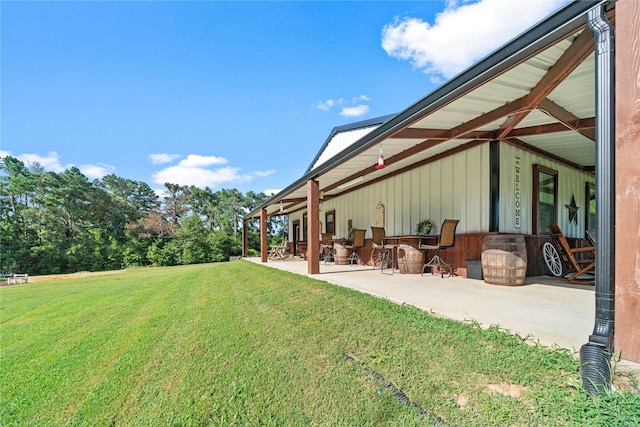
(313,227)
(264,241)
(627,262)
(245,243)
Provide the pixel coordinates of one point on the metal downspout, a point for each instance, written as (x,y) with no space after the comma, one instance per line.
(595,356)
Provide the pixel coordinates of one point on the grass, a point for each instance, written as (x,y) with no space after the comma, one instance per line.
(243,344)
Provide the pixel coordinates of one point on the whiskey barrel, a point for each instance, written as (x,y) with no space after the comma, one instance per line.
(341,253)
(410,259)
(504,259)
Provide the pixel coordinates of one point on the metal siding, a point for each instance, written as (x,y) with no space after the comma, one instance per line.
(454,187)
(570,182)
(416,199)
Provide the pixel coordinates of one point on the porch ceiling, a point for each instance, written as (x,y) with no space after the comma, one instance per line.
(544,102)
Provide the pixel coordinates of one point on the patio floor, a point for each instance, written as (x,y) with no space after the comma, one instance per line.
(544,309)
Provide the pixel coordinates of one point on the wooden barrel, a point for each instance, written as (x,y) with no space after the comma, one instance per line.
(410,259)
(504,259)
(341,253)
(513,243)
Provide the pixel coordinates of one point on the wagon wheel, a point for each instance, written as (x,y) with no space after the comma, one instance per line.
(552,259)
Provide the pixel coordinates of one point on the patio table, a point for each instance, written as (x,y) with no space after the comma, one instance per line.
(341,253)
(410,259)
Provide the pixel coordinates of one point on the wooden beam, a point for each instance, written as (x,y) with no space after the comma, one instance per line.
(583,126)
(579,50)
(418,133)
(567,118)
(457,132)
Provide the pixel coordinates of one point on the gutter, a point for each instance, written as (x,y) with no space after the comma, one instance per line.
(595,363)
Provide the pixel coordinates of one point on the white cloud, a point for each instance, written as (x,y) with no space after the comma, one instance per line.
(200,177)
(356,111)
(461,34)
(272,192)
(262,174)
(50,162)
(196,161)
(160,192)
(96,171)
(353,108)
(161,158)
(201,171)
(325,105)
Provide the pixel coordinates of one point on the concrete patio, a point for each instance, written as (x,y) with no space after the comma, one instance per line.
(545,310)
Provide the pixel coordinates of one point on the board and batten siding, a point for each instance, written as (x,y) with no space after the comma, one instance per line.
(570,182)
(454,187)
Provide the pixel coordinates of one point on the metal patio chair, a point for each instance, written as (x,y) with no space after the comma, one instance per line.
(326,247)
(377,246)
(446,239)
(358,242)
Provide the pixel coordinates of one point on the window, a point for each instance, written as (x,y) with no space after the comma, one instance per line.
(330,220)
(590,211)
(304,227)
(545,196)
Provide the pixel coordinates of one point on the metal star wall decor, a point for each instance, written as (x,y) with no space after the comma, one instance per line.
(573,210)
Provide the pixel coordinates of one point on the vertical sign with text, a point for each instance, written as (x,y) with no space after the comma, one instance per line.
(517,202)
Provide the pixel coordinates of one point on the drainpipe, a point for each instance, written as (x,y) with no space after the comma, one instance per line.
(595,356)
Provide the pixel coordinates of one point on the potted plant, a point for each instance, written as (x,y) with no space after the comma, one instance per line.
(352,232)
(424,227)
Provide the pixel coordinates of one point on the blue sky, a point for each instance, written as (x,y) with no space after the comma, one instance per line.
(225,94)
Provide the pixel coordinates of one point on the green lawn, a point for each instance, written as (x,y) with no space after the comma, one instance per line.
(243,344)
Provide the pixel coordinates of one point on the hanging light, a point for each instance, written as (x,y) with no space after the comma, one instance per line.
(380,164)
(281,207)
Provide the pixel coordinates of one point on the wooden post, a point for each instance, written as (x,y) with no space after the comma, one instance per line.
(627,264)
(245,243)
(313,227)
(264,241)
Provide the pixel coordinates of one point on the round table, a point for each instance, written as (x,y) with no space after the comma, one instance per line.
(340,252)
(410,258)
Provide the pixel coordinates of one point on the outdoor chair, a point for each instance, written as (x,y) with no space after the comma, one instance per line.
(446,239)
(567,263)
(279,251)
(382,253)
(389,257)
(326,247)
(377,245)
(358,242)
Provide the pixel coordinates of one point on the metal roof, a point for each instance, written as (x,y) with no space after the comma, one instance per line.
(341,137)
(537,91)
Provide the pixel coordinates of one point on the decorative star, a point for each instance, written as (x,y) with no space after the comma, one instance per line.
(573,210)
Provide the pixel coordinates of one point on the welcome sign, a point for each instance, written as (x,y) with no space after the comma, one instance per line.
(517,201)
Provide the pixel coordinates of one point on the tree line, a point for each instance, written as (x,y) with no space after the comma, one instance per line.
(54,223)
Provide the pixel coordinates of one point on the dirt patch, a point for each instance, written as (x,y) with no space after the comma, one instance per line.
(512,390)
